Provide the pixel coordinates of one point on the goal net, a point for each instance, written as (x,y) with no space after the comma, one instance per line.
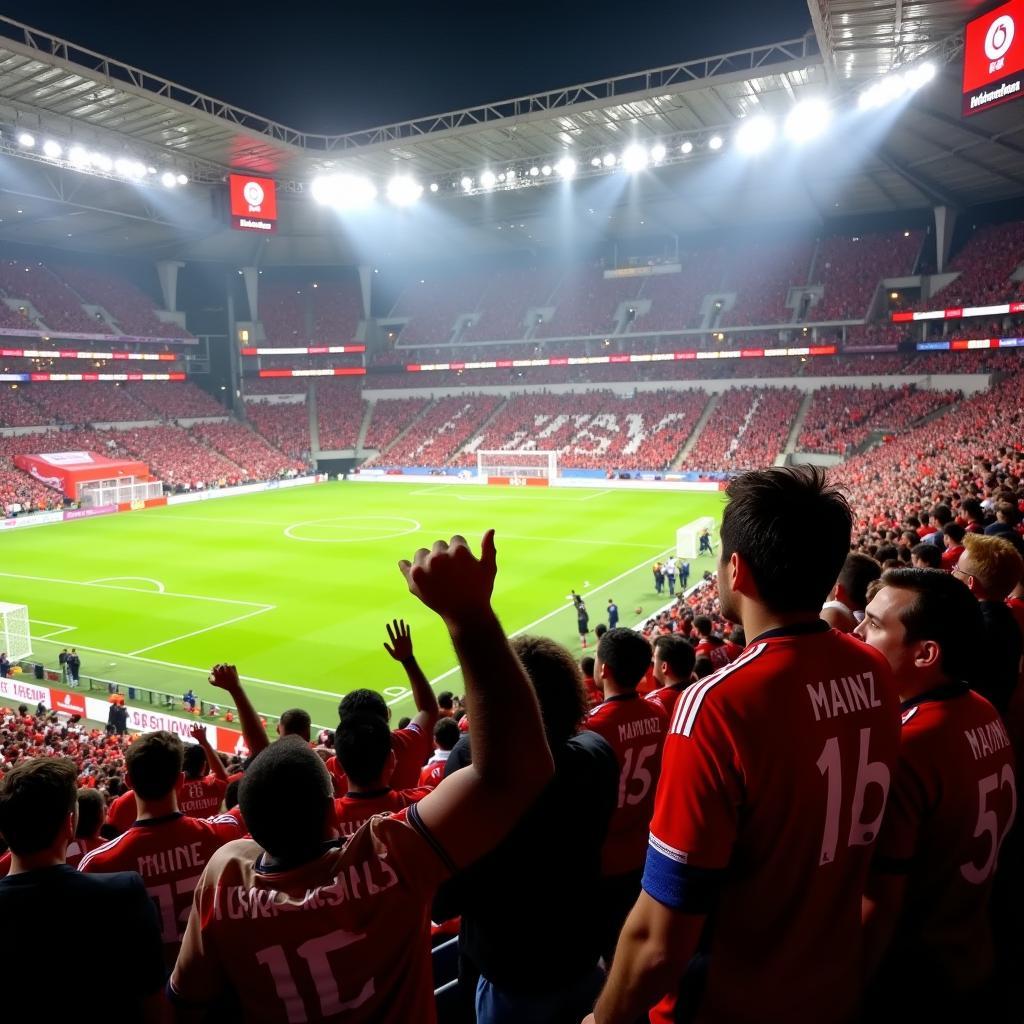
(688,536)
(15,638)
(516,467)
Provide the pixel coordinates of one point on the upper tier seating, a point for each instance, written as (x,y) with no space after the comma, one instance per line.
(441,431)
(60,308)
(985,264)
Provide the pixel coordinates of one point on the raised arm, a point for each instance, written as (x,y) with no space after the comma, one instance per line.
(198,733)
(423,696)
(225,677)
(498,787)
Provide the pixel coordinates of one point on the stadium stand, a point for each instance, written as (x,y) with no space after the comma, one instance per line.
(178,458)
(434,304)
(286,427)
(16,410)
(389,418)
(441,431)
(340,412)
(59,308)
(175,400)
(762,280)
(505,301)
(586,302)
(246,449)
(82,402)
(337,308)
(283,314)
(983,267)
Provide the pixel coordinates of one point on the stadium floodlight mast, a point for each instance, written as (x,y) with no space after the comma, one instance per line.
(635,158)
(52,149)
(755,134)
(488,179)
(715,143)
(686,148)
(404,190)
(807,120)
(896,85)
(566,167)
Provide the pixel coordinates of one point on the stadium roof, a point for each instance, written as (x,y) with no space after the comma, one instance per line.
(926,156)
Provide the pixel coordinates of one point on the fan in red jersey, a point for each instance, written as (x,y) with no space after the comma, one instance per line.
(720,652)
(302,925)
(200,794)
(773,786)
(446,735)
(952,804)
(635,729)
(168,848)
(674,658)
(363,746)
(845,606)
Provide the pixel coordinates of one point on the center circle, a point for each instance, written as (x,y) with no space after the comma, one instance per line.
(360,528)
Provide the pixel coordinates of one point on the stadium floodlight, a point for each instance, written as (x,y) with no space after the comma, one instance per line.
(26,139)
(715,142)
(635,158)
(686,148)
(344,191)
(546,170)
(807,120)
(896,85)
(433,186)
(182,179)
(658,153)
(78,157)
(403,190)
(534,171)
(466,183)
(168,180)
(52,149)
(488,179)
(566,167)
(102,162)
(609,160)
(595,161)
(755,134)
(921,75)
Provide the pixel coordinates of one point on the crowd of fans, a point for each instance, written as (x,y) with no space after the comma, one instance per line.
(58,307)
(762,281)
(983,267)
(440,432)
(247,449)
(340,410)
(285,426)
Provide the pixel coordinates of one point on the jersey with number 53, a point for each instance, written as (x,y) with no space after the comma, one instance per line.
(635,729)
(773,786)
(345,937)
(953,801)
(170,853)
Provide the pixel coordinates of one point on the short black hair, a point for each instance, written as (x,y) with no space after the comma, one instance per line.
(362,744)
(587,666)
(930,554)
(296,722)
(194,761)
(91,812)
(678,653)
(363,702)
(703,667)
(944,611)
(955,532)
(446,700)
(446,733)
(600,629)
(285,797)
(35,798)
(403,722)
(942,514)
(703,625)
(626,654)
(792,529)
(154,762)
(558,682)
(857,573)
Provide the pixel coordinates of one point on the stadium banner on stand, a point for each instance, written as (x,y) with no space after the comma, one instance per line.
(994,58)
(959,312)
(88,513)
(33,519)
(70,703)
(139,504)
(310,350)
(66,353)
(14,690)
(517,481)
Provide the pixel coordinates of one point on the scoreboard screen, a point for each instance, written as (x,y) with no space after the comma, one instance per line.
(253,203)
(994,58)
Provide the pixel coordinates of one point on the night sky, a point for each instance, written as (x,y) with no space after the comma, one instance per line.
(342,66)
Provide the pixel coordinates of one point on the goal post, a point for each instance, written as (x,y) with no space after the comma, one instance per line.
(15,635)
(688,536)
(517,468)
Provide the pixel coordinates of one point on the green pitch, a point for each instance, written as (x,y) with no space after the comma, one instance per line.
(295,586)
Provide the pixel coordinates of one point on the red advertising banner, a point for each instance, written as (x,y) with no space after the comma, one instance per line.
(994,58)
(253,203)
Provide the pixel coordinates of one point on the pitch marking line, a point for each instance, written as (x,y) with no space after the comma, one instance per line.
(596,494)
(205,629)
(160,588)
(59,630)
(544,618)
(345,523)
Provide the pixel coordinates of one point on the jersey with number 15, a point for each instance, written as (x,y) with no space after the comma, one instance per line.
(773,786)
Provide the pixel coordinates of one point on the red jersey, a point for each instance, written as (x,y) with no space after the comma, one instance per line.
(411,746)
(635,729)
(665,697)
(950,557)
(344,938)
(354,810)
(170,853)
(122,811)
(777,768)
(721,652)
(433,770)
(200,798)
(952,803)
(593,691)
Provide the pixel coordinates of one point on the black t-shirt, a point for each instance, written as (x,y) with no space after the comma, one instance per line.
(42,911)
(530,908)
(999,654)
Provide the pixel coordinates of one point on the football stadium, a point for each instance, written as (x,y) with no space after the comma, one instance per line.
(548,559)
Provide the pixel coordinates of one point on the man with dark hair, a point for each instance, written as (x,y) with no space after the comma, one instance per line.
(446,735)
(926,905)
(551,861)
(942,516)
(990,568)
(613,614)
(202,793)
(720,651)
(38,810)
(773,783)
(590,688)
(974,514)
(362,744)
(582,620)
(848,599)
(674,658)
(314,928)
(635,729)
(926,556)
(446,704)
(295,722)
(953,542)
(167,847)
